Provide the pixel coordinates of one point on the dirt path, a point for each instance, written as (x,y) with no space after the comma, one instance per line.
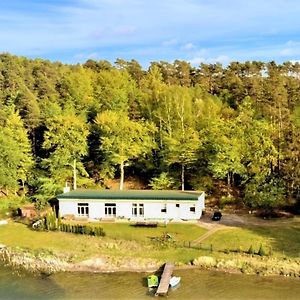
(207,234)
(230,221)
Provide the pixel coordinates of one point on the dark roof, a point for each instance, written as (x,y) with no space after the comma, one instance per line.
(130,195)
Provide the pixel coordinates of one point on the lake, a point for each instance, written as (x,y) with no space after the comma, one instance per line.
(195,284)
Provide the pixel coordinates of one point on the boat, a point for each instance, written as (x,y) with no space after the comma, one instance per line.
(152,281)
(174,281)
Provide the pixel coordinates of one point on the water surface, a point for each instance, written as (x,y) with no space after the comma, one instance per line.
(195,284)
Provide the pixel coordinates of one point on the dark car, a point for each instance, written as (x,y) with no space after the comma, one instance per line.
(217,216)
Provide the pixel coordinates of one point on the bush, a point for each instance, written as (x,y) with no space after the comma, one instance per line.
(226,201)
(51,223)
(268,194)
(59,222)
(87,230)
(82,229)
(261,251)
(205,261)
(163,182)
(9,205)
(251,250)
(203,183)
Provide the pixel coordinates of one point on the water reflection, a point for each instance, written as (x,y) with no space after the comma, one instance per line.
(195,284)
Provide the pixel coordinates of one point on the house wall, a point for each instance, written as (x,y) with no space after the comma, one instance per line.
(152,209)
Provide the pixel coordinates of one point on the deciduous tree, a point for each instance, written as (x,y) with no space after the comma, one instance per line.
(124,140)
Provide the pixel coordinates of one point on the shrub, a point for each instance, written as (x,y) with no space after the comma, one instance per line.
(267,194)
(51,222)
(261,251)
(59,222)
(203,183)
(270,251)
(204,261)
(9,205)
(163,182)
(226,201)
(251,250)
(82,229)
(87,230)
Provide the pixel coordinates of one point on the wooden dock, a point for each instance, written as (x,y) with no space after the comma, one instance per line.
(164,283)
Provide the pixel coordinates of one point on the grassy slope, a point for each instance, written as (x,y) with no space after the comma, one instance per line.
(283,240)
(122,240)
(179,232)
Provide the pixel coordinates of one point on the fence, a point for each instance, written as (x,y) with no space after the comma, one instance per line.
(198,246)
(209,247)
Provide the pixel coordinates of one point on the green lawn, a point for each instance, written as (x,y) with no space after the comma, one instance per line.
(123,240)
(283,240)
(179,232)
(120,240)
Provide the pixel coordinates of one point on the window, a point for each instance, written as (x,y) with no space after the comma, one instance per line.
(177,205)
(141,210)
(134,209)
(164,208)
(83,209)
(193,209)
(110,209)
(137,210)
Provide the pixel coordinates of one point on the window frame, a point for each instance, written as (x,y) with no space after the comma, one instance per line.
(110,210)
(193,209)
(83,209)
(164,208)
(137,210)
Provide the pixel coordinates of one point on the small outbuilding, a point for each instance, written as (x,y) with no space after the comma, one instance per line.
(132,204)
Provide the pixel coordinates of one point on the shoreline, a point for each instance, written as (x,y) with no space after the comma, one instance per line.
(45,263)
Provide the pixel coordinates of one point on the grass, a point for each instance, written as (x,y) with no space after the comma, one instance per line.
(179,232)
(124,241)
(121,240)
(284,241)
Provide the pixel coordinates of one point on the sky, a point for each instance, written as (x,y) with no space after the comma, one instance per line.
(209,31)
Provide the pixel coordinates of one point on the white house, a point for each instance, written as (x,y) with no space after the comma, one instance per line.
(132,204)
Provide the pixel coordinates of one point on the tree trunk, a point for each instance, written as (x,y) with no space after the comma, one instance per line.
(23,187)
(279,139)
(182,177)
(122,175)
(74,176)
(160,133)
(228,184)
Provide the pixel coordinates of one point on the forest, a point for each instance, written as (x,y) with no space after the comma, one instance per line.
(173,126)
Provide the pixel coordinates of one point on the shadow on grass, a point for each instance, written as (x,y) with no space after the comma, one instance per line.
(281,237)
(283,240)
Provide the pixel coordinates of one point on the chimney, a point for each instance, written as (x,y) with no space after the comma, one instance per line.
(67,188)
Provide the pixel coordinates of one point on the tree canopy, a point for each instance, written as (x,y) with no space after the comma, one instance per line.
(171,125)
